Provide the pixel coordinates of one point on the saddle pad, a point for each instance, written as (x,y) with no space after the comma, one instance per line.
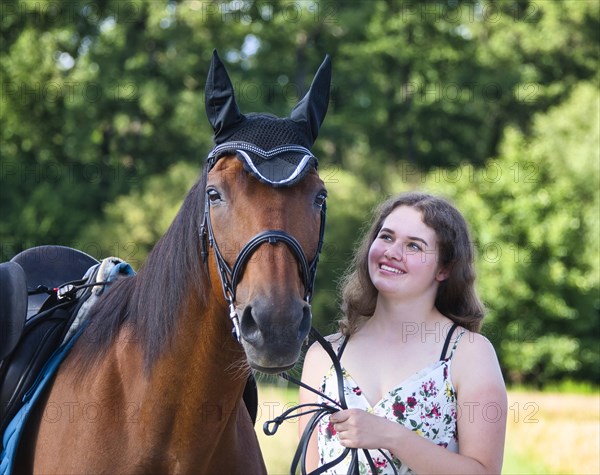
(14,431)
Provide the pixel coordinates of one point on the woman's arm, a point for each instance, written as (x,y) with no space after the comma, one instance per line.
(482,410)
(315,367)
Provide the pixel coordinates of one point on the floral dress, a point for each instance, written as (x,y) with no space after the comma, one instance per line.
(424,403)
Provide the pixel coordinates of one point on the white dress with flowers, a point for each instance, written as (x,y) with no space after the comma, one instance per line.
(424,403)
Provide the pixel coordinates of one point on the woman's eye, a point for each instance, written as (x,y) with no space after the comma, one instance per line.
(414,246)
(385,237)
(213,195)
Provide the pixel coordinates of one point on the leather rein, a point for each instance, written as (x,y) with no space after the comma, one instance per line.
(319,411)
(231,276)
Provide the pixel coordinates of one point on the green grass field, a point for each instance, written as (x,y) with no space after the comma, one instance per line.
(547,432)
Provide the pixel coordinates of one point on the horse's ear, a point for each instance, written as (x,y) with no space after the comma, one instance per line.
(221,108)
(312,107)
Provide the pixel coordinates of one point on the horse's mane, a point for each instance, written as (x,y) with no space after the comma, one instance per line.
(150,301)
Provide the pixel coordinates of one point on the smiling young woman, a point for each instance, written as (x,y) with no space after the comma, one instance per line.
(417,375)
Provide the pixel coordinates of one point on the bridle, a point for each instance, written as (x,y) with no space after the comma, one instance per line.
(231,276)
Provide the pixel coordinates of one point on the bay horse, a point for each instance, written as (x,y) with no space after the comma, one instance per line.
(154,384)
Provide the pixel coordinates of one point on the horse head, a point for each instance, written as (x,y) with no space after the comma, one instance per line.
(264,217)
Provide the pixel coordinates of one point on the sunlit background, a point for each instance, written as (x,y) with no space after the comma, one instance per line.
(493,104)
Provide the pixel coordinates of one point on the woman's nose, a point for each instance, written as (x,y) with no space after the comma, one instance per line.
(394,252)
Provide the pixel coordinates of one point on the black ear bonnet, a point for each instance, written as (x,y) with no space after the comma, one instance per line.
(275,150)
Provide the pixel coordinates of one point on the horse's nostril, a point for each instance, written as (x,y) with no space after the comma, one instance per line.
(249,327)
(305,323)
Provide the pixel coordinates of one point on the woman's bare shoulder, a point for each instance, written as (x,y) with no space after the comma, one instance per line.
(476,363)
(475,344)
(317,359)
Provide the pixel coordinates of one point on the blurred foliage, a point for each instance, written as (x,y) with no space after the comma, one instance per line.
(133,223)
(349,202)
(493,104)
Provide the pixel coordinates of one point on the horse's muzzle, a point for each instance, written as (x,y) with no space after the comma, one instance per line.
(272,333)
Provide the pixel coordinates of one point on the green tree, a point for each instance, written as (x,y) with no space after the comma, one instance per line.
(111,94)
(435,83)
(133,223)
(96,98)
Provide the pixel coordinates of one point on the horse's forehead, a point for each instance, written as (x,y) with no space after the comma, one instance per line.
(227,163)
(229,168)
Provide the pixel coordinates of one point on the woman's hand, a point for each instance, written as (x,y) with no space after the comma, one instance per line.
(358,429)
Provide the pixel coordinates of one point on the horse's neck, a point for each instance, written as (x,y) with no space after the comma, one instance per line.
(183,415)
(194,391)
(203,363)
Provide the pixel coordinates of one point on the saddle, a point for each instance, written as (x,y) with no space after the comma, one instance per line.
(38,304)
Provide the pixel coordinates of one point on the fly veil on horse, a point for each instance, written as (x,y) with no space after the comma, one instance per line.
(154,383)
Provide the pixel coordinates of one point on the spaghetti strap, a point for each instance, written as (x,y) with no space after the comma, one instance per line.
(447,342)
(456,343)
(342,347)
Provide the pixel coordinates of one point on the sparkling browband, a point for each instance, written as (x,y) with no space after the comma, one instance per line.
(242,150)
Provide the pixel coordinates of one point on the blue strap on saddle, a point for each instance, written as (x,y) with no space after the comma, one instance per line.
(14,430)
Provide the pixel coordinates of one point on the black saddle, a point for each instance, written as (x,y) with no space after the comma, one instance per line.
(33,318)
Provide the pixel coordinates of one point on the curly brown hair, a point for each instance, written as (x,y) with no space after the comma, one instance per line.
(456,297)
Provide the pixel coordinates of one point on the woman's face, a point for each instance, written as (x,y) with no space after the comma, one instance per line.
(403,258)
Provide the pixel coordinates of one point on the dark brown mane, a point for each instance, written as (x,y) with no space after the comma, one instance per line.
(150,301)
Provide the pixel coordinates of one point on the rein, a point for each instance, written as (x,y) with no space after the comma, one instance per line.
(230,276)
(319,411)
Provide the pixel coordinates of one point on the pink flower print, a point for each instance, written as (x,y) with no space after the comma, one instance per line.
(398,409)
(357,391)
(428,388)
(330,431)
(435,411)
(411,402)
(379,463)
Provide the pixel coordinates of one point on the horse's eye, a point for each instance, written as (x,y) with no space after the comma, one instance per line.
(320,198)
(213,195)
